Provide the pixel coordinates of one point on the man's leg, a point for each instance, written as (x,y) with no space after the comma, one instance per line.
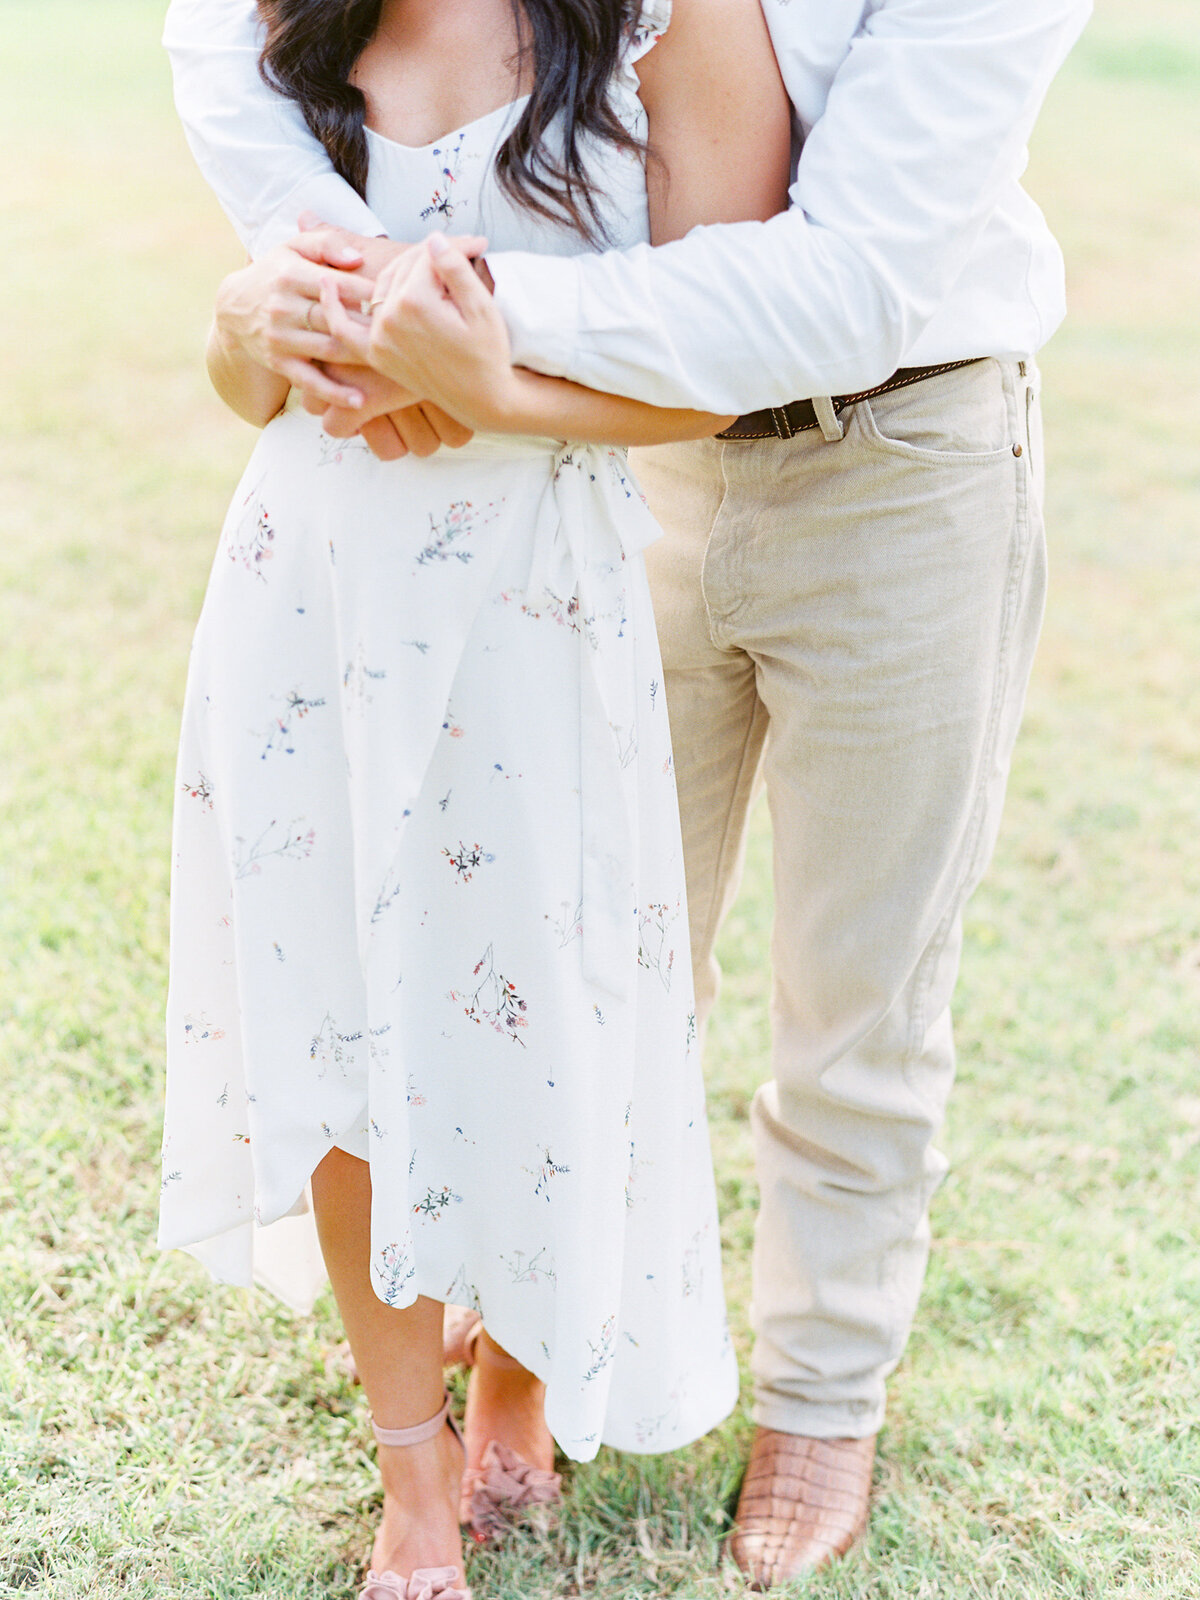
(718,722)
(889,588)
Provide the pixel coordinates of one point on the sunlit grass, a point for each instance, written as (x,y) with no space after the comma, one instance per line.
(160,1437)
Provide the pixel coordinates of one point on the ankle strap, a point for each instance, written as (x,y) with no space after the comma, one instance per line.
(415,1435)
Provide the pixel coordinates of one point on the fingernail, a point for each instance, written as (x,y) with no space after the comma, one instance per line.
(347,255)
(355,399)
(437,244)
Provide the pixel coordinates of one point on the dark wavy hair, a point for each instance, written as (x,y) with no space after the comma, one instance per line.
(312,45)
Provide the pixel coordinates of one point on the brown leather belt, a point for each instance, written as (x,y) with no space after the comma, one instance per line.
(784,422)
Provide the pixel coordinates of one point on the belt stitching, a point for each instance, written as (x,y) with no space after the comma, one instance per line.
(783,429)
(898,382)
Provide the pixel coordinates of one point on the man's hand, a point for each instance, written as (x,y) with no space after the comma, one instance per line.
(269,310)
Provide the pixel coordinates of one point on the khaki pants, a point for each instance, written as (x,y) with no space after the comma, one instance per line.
(854,617)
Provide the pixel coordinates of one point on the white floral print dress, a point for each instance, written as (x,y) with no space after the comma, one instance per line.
(428,897)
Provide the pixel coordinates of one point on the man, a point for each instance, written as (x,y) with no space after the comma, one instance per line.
(857,572)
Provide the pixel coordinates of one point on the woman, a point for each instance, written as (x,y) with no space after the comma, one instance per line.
(428,934)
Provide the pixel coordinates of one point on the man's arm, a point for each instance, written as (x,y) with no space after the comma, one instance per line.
(251,144)
(923,132)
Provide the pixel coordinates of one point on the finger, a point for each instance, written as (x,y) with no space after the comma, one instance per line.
(457,277)
(394,276)
(382,395)
(326,245)
(420,311)
(354,337)
(429,285)
(414,429)
(303,267)
(471,244)
(337,422)
(383,439)
(287,342)
(448,429)
(311,317)
(353,288)
(311,380)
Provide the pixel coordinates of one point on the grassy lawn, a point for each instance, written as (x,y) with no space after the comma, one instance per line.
(161,1437)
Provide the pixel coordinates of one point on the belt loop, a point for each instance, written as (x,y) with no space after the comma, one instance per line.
(828,418)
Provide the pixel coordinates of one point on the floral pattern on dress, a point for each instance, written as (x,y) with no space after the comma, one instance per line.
(252,542)
(198,788)
(289,842)
(656,949)
(449,533)
(279,737)
(441,203)
(494,1000)
(393,1272)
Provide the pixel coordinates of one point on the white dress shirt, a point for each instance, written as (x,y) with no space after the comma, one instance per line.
(909,240)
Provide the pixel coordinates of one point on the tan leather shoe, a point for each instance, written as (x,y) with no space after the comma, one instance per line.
(803,1504)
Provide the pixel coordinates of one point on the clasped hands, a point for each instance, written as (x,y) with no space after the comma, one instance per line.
(402,344)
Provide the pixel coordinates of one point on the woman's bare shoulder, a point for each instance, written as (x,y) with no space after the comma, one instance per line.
(717,48)
(710,26)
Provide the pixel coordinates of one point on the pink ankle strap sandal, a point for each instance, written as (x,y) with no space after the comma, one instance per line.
(398,1438)
(426,1583)
(506,1489)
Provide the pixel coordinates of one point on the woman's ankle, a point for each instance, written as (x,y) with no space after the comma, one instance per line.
(507,1404)
(422,1486)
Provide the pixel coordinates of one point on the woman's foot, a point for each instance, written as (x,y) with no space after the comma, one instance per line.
(421,1488)
(510,1450)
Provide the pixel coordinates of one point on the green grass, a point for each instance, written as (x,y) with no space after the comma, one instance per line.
(159,1436)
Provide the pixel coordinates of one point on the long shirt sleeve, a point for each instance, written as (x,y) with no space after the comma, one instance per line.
(909,239)
(251,144)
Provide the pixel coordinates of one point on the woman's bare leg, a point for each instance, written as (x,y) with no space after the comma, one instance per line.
(507,1404)
(399,1358)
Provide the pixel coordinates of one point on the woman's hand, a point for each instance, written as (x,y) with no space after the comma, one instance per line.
(437,333)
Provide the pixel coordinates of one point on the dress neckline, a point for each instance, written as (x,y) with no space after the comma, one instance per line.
(417,149)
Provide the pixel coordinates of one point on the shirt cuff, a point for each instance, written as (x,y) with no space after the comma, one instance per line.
(332,198)
(539,299)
